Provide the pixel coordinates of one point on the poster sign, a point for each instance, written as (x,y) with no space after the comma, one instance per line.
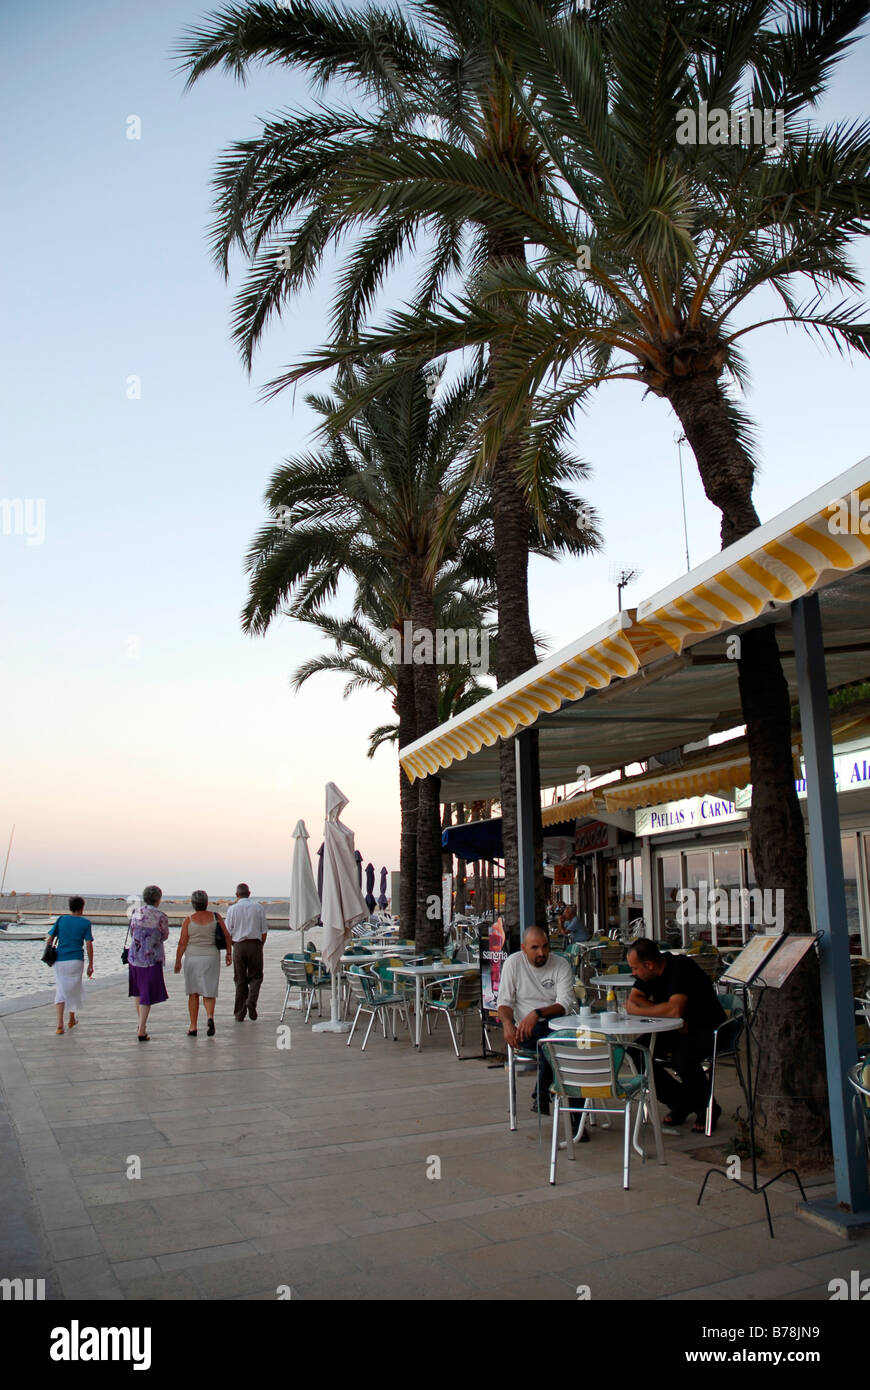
(493,954)
(563,874)
(592,836)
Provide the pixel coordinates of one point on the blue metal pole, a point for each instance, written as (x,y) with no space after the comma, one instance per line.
(525,842)
(829,898)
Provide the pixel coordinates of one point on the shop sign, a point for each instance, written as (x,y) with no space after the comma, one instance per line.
(851,772)
(695,813)
(595,835)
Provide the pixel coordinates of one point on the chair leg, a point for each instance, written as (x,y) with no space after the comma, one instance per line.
(512,1088)
(284,1005)
(453,1035)
(353,1025)
(554,1144)
(626,1145)
(708,1119)
(569,1138)
(374,1014)
(310,1002)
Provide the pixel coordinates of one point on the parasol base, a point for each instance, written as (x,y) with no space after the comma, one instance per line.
(331,1025)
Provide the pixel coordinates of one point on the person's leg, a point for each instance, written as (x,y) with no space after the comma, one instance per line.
(144,1011)
(208,1005)
(255,976)
(240,1007)
(541,1093)
(59,1011)
(193,1010)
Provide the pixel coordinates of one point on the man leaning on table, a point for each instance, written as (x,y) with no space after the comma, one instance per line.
(246,924)
(534,987)
(671,986)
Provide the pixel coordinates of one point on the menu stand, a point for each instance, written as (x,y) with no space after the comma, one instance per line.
(756,966)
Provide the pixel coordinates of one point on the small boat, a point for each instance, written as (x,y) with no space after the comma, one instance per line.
(6,935)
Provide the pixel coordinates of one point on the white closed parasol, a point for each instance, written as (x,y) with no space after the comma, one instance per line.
(304,902)
(343,904)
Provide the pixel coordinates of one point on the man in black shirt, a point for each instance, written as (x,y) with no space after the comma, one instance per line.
(668,986)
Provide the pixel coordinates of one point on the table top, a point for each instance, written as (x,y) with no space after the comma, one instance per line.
(459,968)
(632,1026)
(618,981)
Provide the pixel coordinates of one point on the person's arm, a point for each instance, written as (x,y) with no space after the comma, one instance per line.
(182,945)
(265,923)
(671,1008)
(506,1019)
(227,938)
(90,945)
(164,926)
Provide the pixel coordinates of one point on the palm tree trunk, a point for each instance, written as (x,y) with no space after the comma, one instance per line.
(429,926)
(408,798)
(516,644)
(792,1114)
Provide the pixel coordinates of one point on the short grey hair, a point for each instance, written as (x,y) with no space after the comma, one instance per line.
(199,900)
(151,895)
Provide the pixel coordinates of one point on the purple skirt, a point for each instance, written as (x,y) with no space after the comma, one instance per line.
(146,984)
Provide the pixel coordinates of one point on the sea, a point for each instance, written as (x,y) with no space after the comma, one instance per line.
(21,967)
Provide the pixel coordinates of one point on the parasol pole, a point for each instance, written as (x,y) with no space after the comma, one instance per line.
(6,865)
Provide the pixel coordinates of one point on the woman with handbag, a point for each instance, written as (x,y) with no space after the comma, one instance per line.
(70,934)
(149,928)
(203,940)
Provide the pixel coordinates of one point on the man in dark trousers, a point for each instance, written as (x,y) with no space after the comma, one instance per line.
(246,924)
(671,986)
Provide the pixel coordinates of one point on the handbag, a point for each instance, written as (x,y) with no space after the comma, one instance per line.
(218,934)
(49,955)
(125,954)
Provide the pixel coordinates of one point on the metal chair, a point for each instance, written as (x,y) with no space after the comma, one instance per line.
(372,999)
(304,974)
(587,1070)
(523,1059)
(726,1041)
(859,1079)
(455,996)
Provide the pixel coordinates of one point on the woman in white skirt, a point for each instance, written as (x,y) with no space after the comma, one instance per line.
(71,933)
(202,959)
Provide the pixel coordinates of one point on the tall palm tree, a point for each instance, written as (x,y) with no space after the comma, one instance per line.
(651,258)
(287,196)
(386,501)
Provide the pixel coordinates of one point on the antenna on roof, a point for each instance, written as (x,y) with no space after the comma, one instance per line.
(622,576)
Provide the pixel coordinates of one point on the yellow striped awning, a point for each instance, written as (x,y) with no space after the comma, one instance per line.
(583,804)
(590,664)
(777,563)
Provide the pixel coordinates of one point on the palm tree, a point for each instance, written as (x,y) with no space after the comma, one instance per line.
(651,257)
(287,196)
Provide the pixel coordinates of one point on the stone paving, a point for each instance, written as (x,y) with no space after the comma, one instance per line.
(309,1171)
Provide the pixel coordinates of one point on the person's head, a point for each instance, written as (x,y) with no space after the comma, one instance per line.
(645,960)
(76,904)
(570,911)
(536,946)
(199,900)
(243,891)
(151,895)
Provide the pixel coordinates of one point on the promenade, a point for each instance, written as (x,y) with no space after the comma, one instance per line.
(308,1171)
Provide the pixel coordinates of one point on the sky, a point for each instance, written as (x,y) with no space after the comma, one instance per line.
(146,738)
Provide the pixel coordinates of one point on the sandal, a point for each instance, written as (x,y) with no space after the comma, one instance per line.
(210,1029)
(674,1120)
(57,1032)
(144,1037)
(191,1032)
(72,1023)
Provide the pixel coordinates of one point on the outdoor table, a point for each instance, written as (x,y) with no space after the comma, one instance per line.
(634,1026)
(420,972)
(612,981)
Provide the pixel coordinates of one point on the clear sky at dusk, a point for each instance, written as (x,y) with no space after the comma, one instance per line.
(145,738)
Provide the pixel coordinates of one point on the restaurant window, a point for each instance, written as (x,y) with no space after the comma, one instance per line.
(850,883)
(668,884)
(630,889)
(728,929)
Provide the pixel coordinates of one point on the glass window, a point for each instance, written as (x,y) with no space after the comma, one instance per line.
(727,928)
(850,876)
(669,882)
(698,881)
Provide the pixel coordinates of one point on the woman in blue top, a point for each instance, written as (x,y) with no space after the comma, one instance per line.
(71,932)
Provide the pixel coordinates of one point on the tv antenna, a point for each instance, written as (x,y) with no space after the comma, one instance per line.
(622,576)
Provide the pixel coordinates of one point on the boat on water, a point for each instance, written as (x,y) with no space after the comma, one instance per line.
(7,935)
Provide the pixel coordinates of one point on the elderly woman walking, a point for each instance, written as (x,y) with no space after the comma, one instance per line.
(71,933)
(149,928)
(201,944)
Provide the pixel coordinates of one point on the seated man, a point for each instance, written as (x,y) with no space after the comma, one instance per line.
(534,987)
(669,986)
(576,929)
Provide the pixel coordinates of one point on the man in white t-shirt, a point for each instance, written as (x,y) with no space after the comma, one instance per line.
(246,924)
(534,987)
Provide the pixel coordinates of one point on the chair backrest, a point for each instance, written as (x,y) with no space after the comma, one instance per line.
(295,971)
(859,1076)
(728,1034)
(610,955)
(731,1003)
(362,985)
(581,1067)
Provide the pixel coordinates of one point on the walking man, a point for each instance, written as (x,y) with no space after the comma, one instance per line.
(246,923)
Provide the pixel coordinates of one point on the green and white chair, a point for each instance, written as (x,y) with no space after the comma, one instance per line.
(586,1074)
(455,997)
(366,989)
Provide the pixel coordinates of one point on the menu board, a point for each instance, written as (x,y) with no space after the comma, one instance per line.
(776,971)
(755,953)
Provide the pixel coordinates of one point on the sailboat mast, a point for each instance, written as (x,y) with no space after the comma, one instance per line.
(6,865)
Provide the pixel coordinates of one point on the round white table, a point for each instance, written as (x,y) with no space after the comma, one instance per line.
(633,1026)
(419,973)
(612,981)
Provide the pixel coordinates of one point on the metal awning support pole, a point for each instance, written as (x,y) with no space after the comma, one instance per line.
(829,898)
(525,843)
